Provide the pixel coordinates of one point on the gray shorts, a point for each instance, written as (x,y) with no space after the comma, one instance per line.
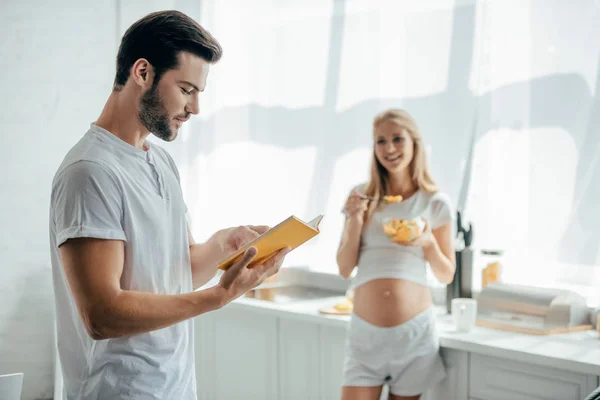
(406,356)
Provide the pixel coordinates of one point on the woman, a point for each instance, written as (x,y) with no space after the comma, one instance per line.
(392,338)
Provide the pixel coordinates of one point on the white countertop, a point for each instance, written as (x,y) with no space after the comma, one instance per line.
(577,352)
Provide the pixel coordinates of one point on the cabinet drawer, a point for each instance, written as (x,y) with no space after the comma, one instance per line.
(492,378)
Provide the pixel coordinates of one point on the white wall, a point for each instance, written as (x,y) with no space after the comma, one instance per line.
(56,69)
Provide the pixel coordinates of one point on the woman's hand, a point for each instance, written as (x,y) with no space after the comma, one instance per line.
(425,240)
(355,207)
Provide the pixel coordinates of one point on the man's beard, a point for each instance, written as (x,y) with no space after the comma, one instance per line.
(153,114)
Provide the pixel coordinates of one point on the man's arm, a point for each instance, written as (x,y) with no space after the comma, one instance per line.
(93,268)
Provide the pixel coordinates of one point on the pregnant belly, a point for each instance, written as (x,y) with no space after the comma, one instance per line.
(390,302)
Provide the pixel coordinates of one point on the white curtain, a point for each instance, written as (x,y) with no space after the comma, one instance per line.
(505,93)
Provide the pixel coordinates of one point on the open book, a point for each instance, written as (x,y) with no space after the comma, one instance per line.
(292,232)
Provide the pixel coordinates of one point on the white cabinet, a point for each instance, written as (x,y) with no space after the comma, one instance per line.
(332,345)
(204,346)
(298,357)
(455,386)
(241,353)
(492,378)
(242,363)
(246,355)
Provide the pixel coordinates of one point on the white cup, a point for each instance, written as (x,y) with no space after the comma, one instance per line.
(10,386)
(464,314)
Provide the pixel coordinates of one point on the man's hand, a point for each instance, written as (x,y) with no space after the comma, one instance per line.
(231,239)
(238,279)
(205,257)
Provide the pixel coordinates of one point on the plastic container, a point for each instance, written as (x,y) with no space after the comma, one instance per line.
(491,266)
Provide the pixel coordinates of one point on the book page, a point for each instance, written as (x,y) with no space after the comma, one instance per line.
(315,222)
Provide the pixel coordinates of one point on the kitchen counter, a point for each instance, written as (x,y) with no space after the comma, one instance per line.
(577,352)
(295,352)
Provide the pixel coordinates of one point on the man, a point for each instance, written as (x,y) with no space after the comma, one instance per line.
(124,263)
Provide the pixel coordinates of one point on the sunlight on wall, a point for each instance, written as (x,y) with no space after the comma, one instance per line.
(562,46)
(541,41)
(350,170)
(502,55)
(247,183)
(278,103)
(522,190)
(272,55)
(379,42)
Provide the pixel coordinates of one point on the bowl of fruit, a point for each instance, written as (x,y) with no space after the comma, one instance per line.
(401,231)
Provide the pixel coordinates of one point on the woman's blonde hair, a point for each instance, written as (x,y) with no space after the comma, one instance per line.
(378,185)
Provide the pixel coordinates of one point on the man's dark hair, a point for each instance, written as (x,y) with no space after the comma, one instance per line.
(159,37)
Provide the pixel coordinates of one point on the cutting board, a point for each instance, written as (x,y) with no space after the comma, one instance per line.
(330,310)
(511,328)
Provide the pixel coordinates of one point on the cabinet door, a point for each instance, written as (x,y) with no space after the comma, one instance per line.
(298,360)
(204,350)
(498,379)
(245,355)
(456,384)
(332,347)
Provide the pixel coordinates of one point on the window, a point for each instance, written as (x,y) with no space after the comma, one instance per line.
(286,120)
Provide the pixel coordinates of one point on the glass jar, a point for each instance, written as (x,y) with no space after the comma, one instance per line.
(491,266)
(595,318)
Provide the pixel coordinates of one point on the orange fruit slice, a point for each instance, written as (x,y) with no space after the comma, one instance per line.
(392,199)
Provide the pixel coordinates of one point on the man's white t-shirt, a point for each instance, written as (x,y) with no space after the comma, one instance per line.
(108,189)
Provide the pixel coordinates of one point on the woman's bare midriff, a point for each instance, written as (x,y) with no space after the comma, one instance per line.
(390,302)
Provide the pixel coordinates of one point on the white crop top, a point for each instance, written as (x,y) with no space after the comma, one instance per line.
(379,257)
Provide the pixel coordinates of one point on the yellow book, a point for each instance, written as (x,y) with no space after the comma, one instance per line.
(292,232)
